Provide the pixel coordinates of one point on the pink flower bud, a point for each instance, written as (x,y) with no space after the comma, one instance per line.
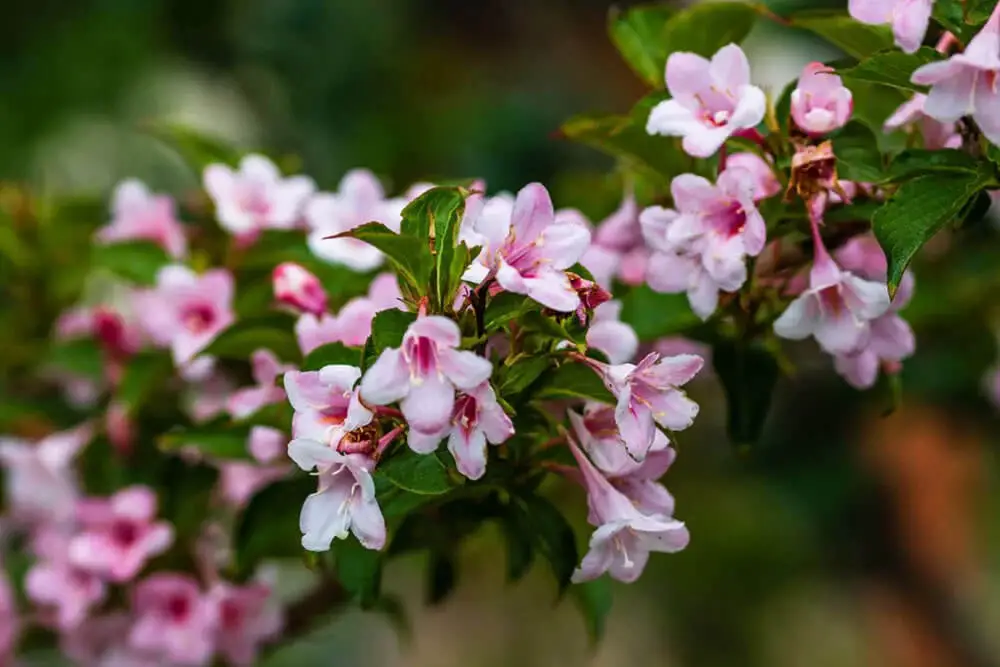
(820,103)
(299,289)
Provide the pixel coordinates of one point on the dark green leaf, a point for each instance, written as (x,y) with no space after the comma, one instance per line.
(359,570)
(520,546)
(704,28)
(269,525)
(518,377)
(535,321)
(917,211)
(858,157)
(410,255)
(594,599)
(388,329)
(654,315)
(914,162)
(550,532)
(331,353)
(964,18)
(748,373)
(101,468)
(575,380)
(80,356)
(137,261)
(440,209)
(853,37)
(442,575)
(216,443)
(276,415)
(639,33)
(275,332)
(188,492)
(503,308)
(893,68)
(143,374)
(423,474)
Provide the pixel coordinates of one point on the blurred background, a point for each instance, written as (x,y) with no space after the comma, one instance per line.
(844,539)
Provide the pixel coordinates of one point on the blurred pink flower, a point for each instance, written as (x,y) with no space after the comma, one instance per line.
(476,420)
(820,102)
(119,533)
(248,616)
(712,100)
(424,373)
(173,619)
(256,196)
(610,335)
(296,287)
(240,480)
(764,183)
(353,324)
(138,214)
(55,582)
(909,18)
(530,252)
(39,481)
(936,134)
(186,311)
(267,369)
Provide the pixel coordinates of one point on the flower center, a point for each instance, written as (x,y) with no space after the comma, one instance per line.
(231,615)
(178,608)
(421,356)
(124,533)
(198,318)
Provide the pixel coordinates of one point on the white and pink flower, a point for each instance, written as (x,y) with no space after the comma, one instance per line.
(909,18)
(327,405)
(296,287)
(40,483)
(820,102)
(936,135)
(607,333)
(139,215)
(711,100)
(55,583)
(247,617)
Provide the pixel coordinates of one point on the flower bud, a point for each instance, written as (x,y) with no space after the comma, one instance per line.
(299,289)
(820,102)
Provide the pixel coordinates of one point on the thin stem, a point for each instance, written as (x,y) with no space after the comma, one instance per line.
(945,43)
(386,440)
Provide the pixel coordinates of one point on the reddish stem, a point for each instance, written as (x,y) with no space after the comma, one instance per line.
(385,441)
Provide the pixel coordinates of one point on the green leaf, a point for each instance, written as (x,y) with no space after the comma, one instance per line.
(893,68)
(518,377)
(520,546)
(409,255)
(275,332)
(706,27)
(576,381)
(269,525)
(748,373)
(853,37)
(534,320)
(914,162)
(388,329)
(359,570)
(331,353)
(198,149)
(550,532)
(594,599)
(144,373)
(137,261)
(188,490)
(422,474)
(654,315)
(80,356)
(639,35)
(917,211)
(440,209)
(504,307)
(226,443)
(964,18)
(858,157)
(625,138)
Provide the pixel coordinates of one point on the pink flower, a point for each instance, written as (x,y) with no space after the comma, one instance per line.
(711,100)
(617,249)
(531,252)
(424,373)
(240,480)
(267,368)
(39,478)
(610,335)
(55,582)
(837,308)
(625,535)
(353,324)
(597,433)
(247,617)
(119,533)
(173,619)
(359,199)
(967,83)
(647,394)
(208,398)
(477,419)
(185,311)
(295,286)
(345,501)
(701,246)
(936,134)
(909,18)
(256,197)
(820,103)
(326,404)
(765,184)
(137,214)
(891,339)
